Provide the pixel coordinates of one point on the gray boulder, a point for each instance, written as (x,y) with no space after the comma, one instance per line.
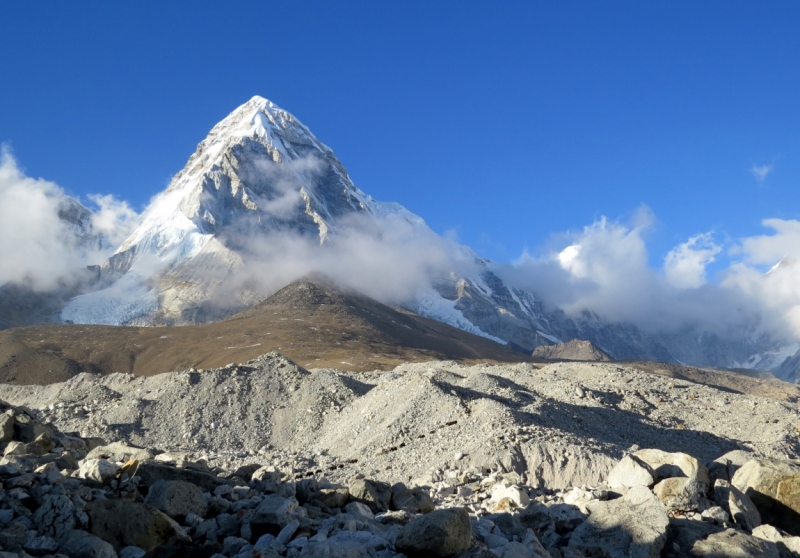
(6,428)
(348,544)
(412,500)
(631,472)
(272,515)
(740,507)
(123,523)
(735,544)
(117,451)
(633,526)
(177,499)
(774,488)
(150,473)
(680,493)
(377,495)
(445,532)
(80,544)
(56,516)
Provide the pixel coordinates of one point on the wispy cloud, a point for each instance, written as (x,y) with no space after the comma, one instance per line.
(762,171)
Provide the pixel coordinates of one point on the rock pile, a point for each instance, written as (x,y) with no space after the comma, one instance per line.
(67,496)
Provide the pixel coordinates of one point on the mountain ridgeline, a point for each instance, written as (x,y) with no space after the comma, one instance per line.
(206,244)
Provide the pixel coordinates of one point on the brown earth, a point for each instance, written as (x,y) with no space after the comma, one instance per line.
(577,349)
(310,321)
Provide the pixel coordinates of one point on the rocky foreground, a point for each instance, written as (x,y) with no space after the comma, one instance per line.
(438,459)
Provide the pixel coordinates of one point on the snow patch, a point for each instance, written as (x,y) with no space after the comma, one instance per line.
(433,305)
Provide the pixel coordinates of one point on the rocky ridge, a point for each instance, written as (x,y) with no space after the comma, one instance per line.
(67,495)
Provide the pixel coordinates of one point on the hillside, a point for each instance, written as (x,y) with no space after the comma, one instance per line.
(311,321)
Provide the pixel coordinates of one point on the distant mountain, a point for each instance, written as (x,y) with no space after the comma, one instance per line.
(261,172)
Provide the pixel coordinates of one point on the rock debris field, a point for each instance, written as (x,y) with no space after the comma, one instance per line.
(430,459)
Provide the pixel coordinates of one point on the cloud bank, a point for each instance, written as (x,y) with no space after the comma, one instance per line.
(604,269)
(46,237)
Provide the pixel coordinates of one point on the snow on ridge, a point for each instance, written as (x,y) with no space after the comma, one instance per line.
(431,304)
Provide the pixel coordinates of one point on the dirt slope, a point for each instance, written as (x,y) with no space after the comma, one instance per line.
(310,321)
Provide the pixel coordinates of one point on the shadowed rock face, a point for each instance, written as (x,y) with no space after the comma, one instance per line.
(573,350)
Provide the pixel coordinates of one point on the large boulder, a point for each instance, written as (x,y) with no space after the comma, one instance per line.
(788,547)
(774,488)
(445,532)
(98,470)
(680,493)
(631,471)
(124,523)
(6,428)
(377,495)
(633,526)
(80,544)
(150,473)
(412,500)
(56,516)
(347,544)
(738,505)
(667,465)
(735,544)
(177,499)
(273,514)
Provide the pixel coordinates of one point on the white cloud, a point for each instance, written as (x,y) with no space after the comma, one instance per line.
(685,265)
(113,218)
(40,248)
(35,245)
(761,171)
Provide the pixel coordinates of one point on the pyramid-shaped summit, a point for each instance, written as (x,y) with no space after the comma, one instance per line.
(259,171)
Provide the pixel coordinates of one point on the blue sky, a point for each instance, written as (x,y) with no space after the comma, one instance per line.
(505,124)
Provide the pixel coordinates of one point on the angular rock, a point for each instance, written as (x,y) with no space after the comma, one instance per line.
(272,514)
(416,500)
(99,470)
(15,448)
(445,532)
(725,466)
(124,523)
(177,499)
(80,544)
(774,488)
(377,495)
(680,493)
(332,497)
(631,472)
(788,547)
(117,451)
(667,465)
(150,473)
(514,493)
(634,526)
(41,546)
(740,507)
(734,543)
(346,544)
(56,516)
(6,428)
(42,445)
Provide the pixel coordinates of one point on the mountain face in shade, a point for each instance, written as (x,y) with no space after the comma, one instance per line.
(259,173)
